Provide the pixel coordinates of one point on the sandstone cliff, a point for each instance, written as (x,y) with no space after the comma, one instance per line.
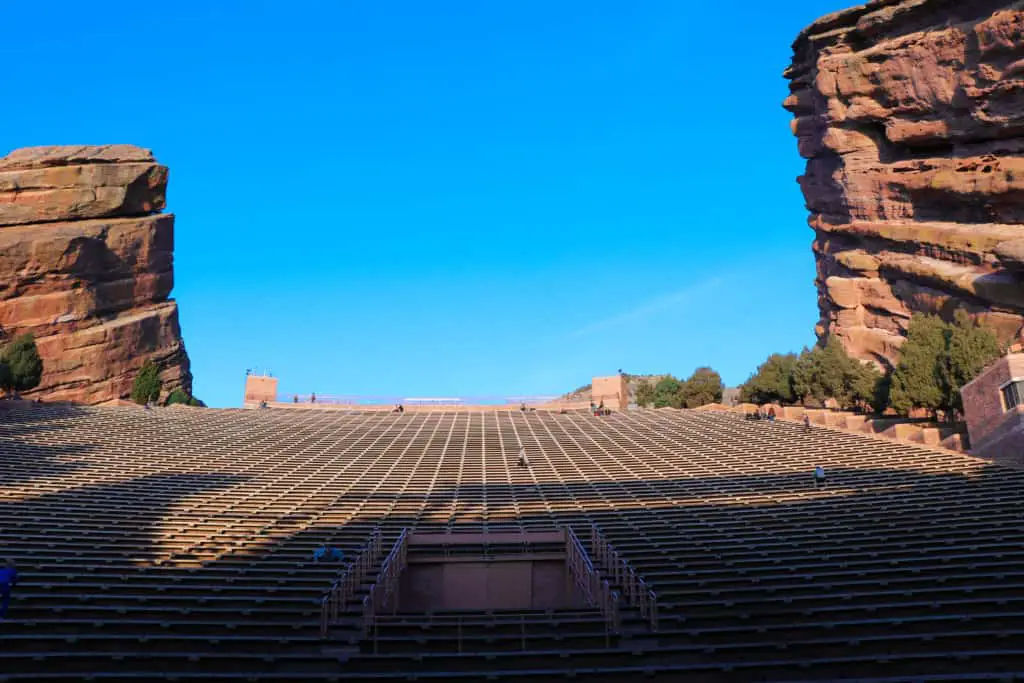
(911,116)
(87,266)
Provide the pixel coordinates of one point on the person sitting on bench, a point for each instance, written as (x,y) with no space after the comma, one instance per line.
(819,475)
(807,422)
(328,553)
(771,414)
(523,460)
(8,577)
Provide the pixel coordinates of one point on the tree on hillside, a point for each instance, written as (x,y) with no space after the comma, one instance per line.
(917,381)
(970,349)
(864,386)
(644,393)
(146,387)
(668,393)
(24,366)
(828,372)
(772,382)
(704,386)
(805,376)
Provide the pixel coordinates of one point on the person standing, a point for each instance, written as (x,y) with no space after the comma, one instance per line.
(8,577)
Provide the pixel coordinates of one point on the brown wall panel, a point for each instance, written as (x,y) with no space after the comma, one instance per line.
(421,588)
(509,585)
(439,586)
(465,585)
(549,588)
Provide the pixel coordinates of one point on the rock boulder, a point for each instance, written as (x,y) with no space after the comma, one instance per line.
(87,260)
(909,114)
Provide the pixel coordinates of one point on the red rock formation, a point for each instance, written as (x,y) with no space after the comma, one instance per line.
(911,116)
(87,266)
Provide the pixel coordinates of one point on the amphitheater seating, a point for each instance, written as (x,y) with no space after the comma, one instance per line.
(175,544)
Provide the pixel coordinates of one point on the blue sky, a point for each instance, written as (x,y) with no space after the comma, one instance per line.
(448,198)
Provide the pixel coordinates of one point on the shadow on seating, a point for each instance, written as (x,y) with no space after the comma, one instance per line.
(27,451)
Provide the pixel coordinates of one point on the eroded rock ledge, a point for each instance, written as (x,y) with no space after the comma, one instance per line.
(910,114)
(87,266)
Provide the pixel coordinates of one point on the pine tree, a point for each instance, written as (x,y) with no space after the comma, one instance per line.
(971,348)
(807,386)
(772,382)
(704,386)
(862,382)
(24,364)
(146,387)
(918,380)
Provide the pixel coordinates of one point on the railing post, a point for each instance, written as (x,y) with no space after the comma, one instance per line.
(323,616)
(654,611)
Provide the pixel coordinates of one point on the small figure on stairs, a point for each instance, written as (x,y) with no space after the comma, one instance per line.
(819,476)
(328,553)
(8,577)
(523,460)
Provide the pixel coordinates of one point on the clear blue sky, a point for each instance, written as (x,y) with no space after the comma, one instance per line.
(448,198)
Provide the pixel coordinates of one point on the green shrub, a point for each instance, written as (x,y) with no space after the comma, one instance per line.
(178,397)
(24,366)
(146,387)
(644,394)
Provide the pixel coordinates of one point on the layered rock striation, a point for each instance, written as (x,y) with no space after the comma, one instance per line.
(910,114)
(87,260)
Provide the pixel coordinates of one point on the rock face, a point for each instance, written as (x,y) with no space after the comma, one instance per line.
(87,267)
(910,114)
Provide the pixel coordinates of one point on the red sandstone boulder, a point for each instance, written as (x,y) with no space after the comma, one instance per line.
(908,112)
(43,184)
(86,265)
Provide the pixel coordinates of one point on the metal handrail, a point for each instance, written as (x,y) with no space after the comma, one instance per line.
(343,589)
(634,587)
(384,590)
(596,590)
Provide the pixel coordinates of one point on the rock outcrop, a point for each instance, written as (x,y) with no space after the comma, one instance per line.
(911,116)
(86,265)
